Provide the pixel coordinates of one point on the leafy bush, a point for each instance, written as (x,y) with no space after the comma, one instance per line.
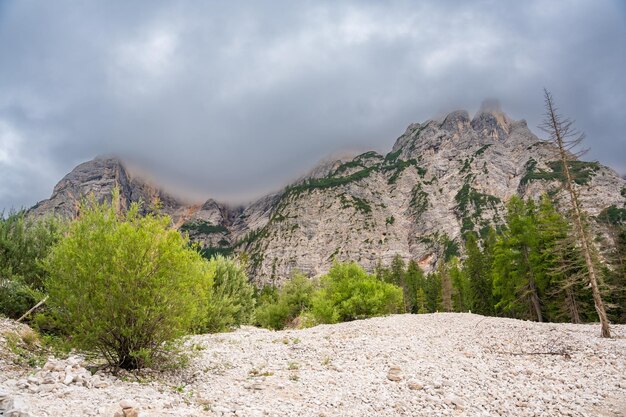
(291,301)
(15,298)
(348,293)
(232,300)
(124,285)
(24,242)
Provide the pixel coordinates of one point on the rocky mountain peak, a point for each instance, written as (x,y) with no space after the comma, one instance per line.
(457,121)
(491,121)
(99,177)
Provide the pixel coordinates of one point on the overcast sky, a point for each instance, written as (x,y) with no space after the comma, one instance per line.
(234,99)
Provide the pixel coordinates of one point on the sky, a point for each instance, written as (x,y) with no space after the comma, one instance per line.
(231,100)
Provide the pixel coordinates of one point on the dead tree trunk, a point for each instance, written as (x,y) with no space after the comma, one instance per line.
(563,135)
(572,305)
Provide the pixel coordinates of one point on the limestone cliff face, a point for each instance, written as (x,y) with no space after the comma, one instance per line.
(98,178)
(441,179)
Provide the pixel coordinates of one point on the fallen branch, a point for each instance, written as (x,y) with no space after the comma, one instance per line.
(563,353)
(39,304)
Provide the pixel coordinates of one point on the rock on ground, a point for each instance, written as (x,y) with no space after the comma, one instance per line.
(435,364)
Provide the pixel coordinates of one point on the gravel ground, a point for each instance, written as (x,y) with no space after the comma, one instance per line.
(414,365)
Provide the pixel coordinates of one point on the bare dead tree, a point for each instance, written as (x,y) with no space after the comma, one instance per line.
(567,139)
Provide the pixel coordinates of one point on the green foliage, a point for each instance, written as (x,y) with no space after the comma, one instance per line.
(392,156)
(24,243)
(477,269)
(26,347)
(125,285)
(409,279)
(432,289)
(613,216)
(289,303)
(461,295)
(203,228)
(450,248)
(468,198)
(390,163)
(419,200)
(420,301)
(390,220)
(348,293)
(399,166)
(516,262)
(581,171)
(328,182)
(482,150)
(232,302)
(357,203)
(252,237)
(16,298)
(209,252)
(535,264)
(467,165)
(413,282)
(358,161)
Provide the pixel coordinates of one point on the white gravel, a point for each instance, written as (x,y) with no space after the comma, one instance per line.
(414,365)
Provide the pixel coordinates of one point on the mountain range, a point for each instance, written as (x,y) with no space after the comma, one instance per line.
(441,179)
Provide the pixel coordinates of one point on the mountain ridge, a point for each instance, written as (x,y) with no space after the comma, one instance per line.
(440,180)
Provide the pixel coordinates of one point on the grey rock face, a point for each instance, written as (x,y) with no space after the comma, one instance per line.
(98,178)
(440,180)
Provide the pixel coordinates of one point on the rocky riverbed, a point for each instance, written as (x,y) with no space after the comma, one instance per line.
(413,365)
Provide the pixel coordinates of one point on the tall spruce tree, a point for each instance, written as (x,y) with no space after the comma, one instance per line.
(414,281)
(562,262)
(517,263)
(446,286)
(460,286)
(432,288)
(479,277)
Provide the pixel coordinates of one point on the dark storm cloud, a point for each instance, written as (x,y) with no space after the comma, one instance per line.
(236,98)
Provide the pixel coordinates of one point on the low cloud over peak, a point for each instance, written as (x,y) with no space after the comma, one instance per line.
(234,100)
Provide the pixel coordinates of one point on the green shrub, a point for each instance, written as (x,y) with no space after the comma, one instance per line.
(348,293)
(24,243)
(15,298)
(272,316)
(291,301)
(124,285)
(232,301)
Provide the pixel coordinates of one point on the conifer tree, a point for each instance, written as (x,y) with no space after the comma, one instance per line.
(414,281)
(480,281)
(560,258)
(396,271)
(460,286)
(517,272)
(566,138)
(420,301)
(432,288)
(446,287)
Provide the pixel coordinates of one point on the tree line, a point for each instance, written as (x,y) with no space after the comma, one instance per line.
(531,268)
